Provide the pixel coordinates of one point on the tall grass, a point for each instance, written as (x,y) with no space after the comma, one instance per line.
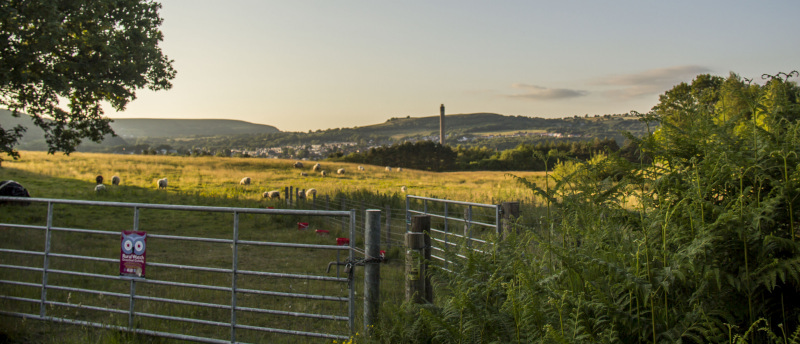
(699,246)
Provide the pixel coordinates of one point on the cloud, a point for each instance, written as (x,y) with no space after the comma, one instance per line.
(544,93)
(649,82)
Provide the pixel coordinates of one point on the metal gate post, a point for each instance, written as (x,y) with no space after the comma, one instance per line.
(351,303)
(233,277)
(46,263)
(132,301)
(372,268)
(408,214)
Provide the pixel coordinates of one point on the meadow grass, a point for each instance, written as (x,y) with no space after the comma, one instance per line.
(208,181)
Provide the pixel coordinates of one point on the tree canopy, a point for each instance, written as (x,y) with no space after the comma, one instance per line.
(76,53)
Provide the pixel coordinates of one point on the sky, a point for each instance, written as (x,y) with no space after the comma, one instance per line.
(320,64)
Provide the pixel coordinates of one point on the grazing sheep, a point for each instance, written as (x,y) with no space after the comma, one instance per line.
(275,194)
(303,174)
(403,189)
(100,188)
(311,193)
(360,168)
(298,164)
(301,194)
(399,169)
(340,171)
(323,173)
(162,183)
(388,169)
(245,181)
(115,180)
(99,179)
(317,167)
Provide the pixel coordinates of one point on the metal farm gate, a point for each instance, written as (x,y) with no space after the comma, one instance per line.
(238,282)
(456,225)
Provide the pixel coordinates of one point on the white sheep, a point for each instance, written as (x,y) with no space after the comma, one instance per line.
(323,173)
(245,181)
(100,188)
(311,193)
(403,189)
(360,168)
(317,167)
(340,171)
(115,180)
(275,194)
(303,174)
(399,169)
(298,164)
(388,169)
(162,183)
(301,194)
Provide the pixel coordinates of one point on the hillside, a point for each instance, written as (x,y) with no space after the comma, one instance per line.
(137,128)
(155,127)
(213,135)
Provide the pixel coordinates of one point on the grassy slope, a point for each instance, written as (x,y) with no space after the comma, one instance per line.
(73,177)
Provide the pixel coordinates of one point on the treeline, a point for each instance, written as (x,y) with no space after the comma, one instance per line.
(430,156)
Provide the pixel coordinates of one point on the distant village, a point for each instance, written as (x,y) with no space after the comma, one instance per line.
(322,151)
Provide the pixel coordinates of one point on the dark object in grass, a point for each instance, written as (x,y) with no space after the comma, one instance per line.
(14,189)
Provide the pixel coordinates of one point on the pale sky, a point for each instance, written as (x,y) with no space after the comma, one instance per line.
(306,65)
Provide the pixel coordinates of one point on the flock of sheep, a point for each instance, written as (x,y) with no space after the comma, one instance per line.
(275,194)
(115,180)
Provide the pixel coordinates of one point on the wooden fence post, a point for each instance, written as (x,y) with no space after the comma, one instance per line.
(418,286)
(510,214)
(285,193)
(372,268)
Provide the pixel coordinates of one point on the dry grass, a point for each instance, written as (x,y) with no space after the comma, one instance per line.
(215,177)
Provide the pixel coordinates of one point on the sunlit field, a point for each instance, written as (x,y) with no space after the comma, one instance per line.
(73,177)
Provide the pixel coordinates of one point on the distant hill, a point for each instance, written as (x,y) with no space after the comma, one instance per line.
(156,127)
(477,124)
(482,129)
(33,138)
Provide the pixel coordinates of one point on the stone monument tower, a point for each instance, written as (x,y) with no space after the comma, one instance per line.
(441,125)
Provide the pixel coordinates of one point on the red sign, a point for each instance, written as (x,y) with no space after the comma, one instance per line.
(132,253)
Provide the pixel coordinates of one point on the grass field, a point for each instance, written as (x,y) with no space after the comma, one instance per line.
(209,181)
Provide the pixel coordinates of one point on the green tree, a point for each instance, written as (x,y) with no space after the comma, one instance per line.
(81,53)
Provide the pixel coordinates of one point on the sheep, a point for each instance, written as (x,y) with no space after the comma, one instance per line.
(115,180)
(99,179)
(100,188)
(388,169)
(340,171)
(303,174)
(360,168)
(162,183)
(245,181)
(272,194)
(298,164)
(403,189)
(323,173)
(311,193)
(317,167)
(399,169)
(301,194)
